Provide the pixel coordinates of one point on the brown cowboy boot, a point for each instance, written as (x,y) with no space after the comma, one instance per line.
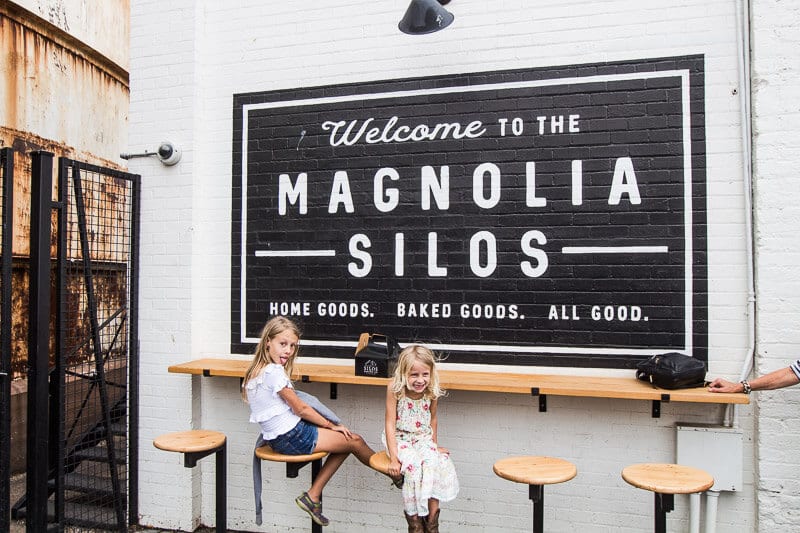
(415,524)
(431,523)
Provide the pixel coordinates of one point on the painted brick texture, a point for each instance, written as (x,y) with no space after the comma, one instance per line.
(189,58)
(776,39)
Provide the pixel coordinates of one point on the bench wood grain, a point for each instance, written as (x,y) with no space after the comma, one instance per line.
(667,478)
(380,461)
(191,441)
(504,382)
(535,469)
(265,453)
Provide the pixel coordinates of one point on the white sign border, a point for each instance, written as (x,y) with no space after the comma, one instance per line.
(683,74)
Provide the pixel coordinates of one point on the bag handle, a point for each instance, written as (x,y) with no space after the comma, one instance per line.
(363,340)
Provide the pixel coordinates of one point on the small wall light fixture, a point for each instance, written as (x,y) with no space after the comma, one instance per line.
(425,16)
(167,153)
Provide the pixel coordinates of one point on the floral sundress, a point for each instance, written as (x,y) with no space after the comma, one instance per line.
(428,473)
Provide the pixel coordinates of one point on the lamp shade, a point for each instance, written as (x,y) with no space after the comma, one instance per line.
(425,16)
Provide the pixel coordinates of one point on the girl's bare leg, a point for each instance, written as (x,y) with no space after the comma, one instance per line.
(334,442)
(433,506)
(329,468)
(339,447)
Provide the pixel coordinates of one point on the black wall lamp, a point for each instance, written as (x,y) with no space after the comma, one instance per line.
(425,16)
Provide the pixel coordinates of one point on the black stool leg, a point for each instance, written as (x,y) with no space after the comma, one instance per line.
(315,467)
(536,494)
(664,503)
(222,496)
(190,461)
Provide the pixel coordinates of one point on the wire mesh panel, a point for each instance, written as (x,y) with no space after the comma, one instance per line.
(96,344)
(6,209)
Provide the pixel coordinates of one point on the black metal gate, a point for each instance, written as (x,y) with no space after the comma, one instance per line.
(6,211)
(97,360)
(82,399)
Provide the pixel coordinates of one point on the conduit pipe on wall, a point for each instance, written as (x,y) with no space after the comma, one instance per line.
(743,29)
(694,513)
(712,497)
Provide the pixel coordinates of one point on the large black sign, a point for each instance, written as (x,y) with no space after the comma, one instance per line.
(547,216)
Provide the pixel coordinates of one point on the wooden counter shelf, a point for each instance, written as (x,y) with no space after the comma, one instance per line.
(540,385)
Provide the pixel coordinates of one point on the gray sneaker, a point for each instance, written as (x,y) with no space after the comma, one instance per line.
(314,509)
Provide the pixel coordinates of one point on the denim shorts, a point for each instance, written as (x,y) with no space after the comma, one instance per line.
(301,440)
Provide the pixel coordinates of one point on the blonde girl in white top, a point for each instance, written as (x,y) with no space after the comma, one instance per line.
(288,424)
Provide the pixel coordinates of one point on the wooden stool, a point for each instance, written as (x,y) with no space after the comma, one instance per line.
(194,445)
(666,480)
(380,461)
(536,471)
(293,465)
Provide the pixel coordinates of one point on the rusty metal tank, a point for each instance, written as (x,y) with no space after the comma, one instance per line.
(64,88)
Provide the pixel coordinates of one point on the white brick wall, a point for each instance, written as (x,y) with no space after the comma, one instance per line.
(163,105)
(187,60)
(776,113)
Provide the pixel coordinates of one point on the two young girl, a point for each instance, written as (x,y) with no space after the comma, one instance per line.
(291,426)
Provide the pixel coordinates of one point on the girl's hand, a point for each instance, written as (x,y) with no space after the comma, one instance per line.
(443,451)
(341,428)
(394,468)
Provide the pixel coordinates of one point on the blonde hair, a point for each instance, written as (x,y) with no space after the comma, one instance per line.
(275,326)
(408,356)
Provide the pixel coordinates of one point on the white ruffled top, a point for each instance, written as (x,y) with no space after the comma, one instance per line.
(267,408)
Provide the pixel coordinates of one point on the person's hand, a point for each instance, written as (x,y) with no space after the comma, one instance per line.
(443,451)
(341,428)
(723,385)
(394,468)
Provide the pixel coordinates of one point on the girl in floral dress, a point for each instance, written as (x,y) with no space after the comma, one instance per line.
(411,439)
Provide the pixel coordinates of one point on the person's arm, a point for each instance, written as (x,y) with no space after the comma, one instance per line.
(435,426)
(434,421)
(390,427)
(318,406)
(783,377)
(308,413)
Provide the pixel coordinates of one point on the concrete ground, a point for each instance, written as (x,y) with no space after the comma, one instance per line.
(18,526)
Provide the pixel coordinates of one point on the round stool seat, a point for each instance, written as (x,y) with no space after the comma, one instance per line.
(380,461)
(667,478)
(195,444)
(535,470)
(191,441)
(268,454)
